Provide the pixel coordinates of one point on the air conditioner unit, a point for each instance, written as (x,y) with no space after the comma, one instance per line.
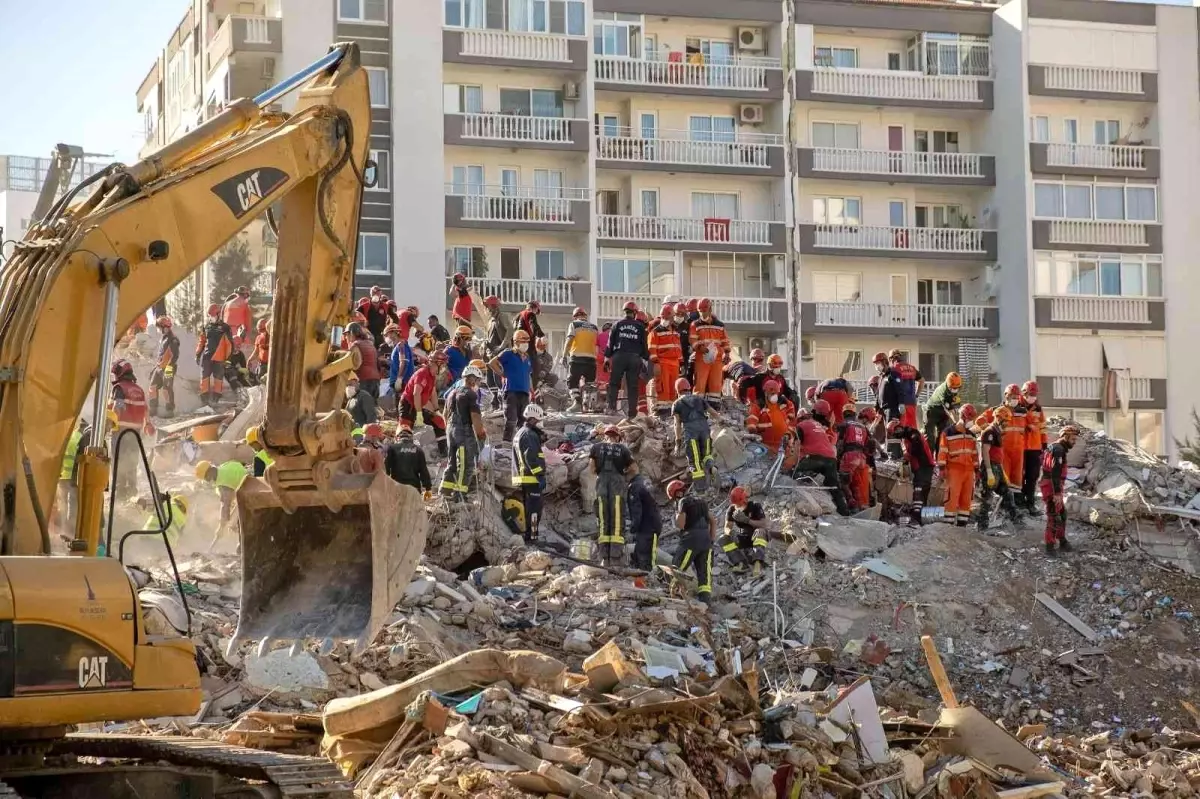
(806,349)
(268,69)
(779,272)
(783,350)
(570,91)
(758,343)
(750,40)
(751,114)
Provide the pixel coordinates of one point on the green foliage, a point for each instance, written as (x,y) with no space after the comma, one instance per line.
(1189,448)
(230,268)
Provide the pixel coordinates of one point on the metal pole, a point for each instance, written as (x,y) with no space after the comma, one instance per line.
(108,336)
(327,61)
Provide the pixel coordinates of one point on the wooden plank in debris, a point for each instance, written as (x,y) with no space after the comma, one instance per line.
(939,672)
(1031,791)
(566,783)
(1066,615)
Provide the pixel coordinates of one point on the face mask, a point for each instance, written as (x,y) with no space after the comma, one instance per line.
(1012,403)
(773,397)
(954,391)
(679,318)
(881,367)
(522,347)
(774,371)
(350,392)
(391,342)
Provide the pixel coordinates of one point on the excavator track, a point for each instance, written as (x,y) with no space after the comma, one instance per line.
(292,775)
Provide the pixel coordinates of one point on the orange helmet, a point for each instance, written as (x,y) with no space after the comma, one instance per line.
(739,496)
(464,331)
(849,410)
(954,380)
(675,489)
(1002,415)
(774,361)
(372,431)
(693,304)
(704,305)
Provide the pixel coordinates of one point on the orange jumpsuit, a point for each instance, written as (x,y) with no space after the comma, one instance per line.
(710,343)
(959,458)
(665,354)
(236,314)
(772,421)
(1014,445)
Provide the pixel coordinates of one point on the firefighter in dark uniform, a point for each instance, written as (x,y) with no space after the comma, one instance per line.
(625,358)
(645,521)
(698,531)
(1054,474)
(405,463)
(162,378)
(920,461)
(610,461)
(693,433)
(465,434)
(744,540)
(529,469)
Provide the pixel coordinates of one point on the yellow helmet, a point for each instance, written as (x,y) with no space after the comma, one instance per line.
(202,468)
(954,380)
(180,502)
(253,436)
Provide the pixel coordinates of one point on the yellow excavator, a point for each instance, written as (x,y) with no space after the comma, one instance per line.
(326,550)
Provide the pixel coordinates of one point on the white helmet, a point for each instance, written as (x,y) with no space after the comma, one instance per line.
(472,371)
(534,412)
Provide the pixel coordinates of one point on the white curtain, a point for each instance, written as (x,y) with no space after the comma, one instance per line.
(519,15)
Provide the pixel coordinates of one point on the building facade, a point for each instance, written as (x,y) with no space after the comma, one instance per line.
(995,189)
(21,181)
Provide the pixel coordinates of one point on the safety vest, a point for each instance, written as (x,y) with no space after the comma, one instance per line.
(663,343)
(68,464)
(263,456)
(958,448)
(131,406)
(175,528)
(1035,427)
(230,474)
(582,341)
(709,338)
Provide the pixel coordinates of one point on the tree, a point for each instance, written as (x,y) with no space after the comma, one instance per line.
(1189,448)
(230,268)
(184,303)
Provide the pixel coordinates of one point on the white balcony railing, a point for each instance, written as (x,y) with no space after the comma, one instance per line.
(679,147)
(683,229)
(1118,310)
(1094,79)
(734,310)
(728,73)
(1092,388)
(263,282)
(899,85)
(510,127)
(257,31)
(891,315)
(516,45)
(1098,233)
(884,237)
(512,291)
(891,162)
(1102,156)
(518,203)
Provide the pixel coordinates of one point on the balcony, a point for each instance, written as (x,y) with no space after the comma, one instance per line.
(894,88)
(1093,83)
(964,244)
(518,208)
(713,234)
(514,49)
(1101,160)
(867,317)
(679,151)
(241,34)
(738,10)
(557,295)
(1092,313)
(759,312)
(1111,235)
(1092,388)
(747,78)
(490,129)
(892,166)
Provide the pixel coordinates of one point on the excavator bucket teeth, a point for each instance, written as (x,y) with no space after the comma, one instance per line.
(321,573)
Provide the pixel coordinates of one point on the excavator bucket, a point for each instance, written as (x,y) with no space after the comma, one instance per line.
(321,573)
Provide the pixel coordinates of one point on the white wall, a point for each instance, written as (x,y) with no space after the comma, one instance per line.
(576,260)
(307,34)
(1094,44)
(1080,353)
(873,122)
(875,276)
(1179,197)
(1131,117)
(875,198)
(15,207)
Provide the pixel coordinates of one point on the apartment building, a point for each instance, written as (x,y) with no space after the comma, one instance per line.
(21,181)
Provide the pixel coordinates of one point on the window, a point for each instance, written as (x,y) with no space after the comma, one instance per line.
(1143,428)
(362,10)
(1061,200)
(936,141)
(637,272)
(837,362)
(837,287)
(939,216)
(466,180)
(608,125)
(377,80)
(461,99)
(837,210)
(531,102)
(840,57)
(550,264)
(1071,131)
(719,274)
(897,213)
(471,261)
(835,134)
(381,173)
(617,38)
(649,205)
(939,292)
(1067,274)
(373,253)
(894,62)
(714,205)
(949,54)
(1039,129)
(720,129)
(1106,131)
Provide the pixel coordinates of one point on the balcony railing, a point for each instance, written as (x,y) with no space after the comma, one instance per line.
(1102,156)
(680,147)
(683,229)
(895,84)
(891,315)
(734,310)
(263,282)
(1092,388)
(238,30)
(891,162)
(1098,233)
(518,203)
(885,237)
(510,127)
(513,291)
(740,73)
(1094,79)
(1118,310)
(519,46)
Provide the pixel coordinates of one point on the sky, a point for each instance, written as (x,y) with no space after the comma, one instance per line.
(72,68)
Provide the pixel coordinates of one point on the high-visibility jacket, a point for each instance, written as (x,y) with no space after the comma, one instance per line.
(168,350)
(231,474)
(68,464)
(957,448)
(262,347)
(582,336)
(663,343)
(1014,431)
(175,528)
(1035,427)
(528,462)
(215,341)
(236,314)
(771,420)
(129,404)
(709,340)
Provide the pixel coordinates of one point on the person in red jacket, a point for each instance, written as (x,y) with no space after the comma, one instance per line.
(236,313)
(127,403)
(920,459)
(855,441)
(262,349)
(817,453)
(420,396)
(460,311)
(368,370)
(771,417)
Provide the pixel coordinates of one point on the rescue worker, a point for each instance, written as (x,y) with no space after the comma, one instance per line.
(837,392)
(68,480)
(818,455)
(360,404)
(666,354)
(624,358)
(402,364)
(902,384)
(940,408)
(1014,438)
(375,314)
(237,314)
(162,377)
(460,311)
(710,342)
(610,460)
(753,386)
(855,443)
(174,506)
(262,458)
(527,320)
(437,330)
(994,481)
(228,478)
(920,461)
(758,360)
(262,349)
(404,462)
(420,395)
(495,340)
(543,365)
(1054,473)
(529,468)
(579,357)
(128,402)
(698,532)
(464,420)
(409,324)
(213,348)
(958,458)
(771,417)
(744,540)
(810,395)
(740,373)
(645,521)
(459,353)
(683,326)
(368,370)
(515,367)
(693,435)
(1035,444)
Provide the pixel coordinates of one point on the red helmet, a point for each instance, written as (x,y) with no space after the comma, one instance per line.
(459,278)
(1030,388)
(771,387)
(612,431)
(262,326)
(630,306)
(535,306)
(893,427)
(437,357)
(967,413)
(868,415)
(675,489)
(692,304)
(214,310)
(802,414)
(821,408)
(774,361)
(757,355)
(666,310)
(641,316)
(738,496)
(121,369)
(682,384)
(164,321)
(373,430)
(874,382)
(1012,390)
(578,312)
(810,393)
(880,357)
(491,301)
(681,309)
(704,305)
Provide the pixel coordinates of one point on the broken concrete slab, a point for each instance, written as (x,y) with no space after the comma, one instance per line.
(848,539)
(280,672)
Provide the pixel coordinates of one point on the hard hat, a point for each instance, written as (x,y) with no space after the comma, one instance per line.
(1069,430)
(738,496)
(774,361)
(821,408)
(121,369)
(1030,389)
(459,278)
(1012,390)
(253,436)
(629,307)
(404,428)
(894,427)
(164,321)
(849,410)
(682,384)
(540,344)
(354,329)
(675,489)
(472,371)
(802,414)
(665,311)
(578,312)
(179,502)
(392,328)
(437,356)
(895,355)
(478,364)
(373,430)
(880,357)
(520,336)
(704,305)
(491,301)
(693,304)
(641,316)
(985,417)
(534,411)
(968,412)
(612,431)
(810,393)
(534,305)
(868,415)
(772,387)
(262,325)
(202,468)
(681,308)
(464,331)
(874,382)
(954,380)
(1003,415)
